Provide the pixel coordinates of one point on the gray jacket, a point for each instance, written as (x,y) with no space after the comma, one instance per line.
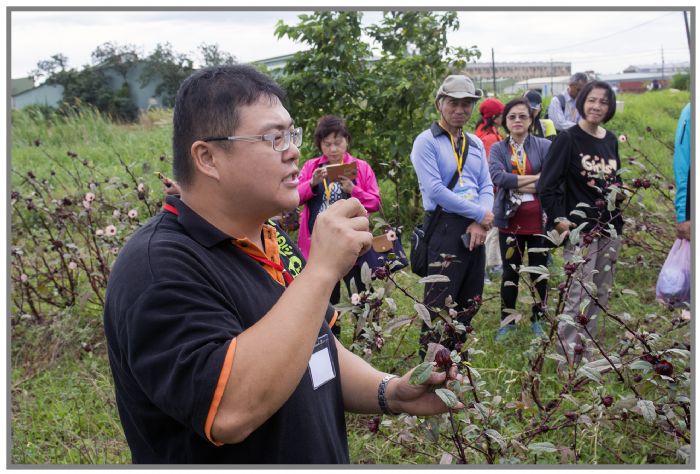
(502,171)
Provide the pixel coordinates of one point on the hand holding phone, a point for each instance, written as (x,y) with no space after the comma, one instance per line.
(466,238)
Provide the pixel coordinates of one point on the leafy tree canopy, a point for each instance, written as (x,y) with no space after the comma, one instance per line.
(384,90)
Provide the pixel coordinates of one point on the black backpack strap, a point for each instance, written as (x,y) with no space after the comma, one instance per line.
(562,102)
(450,185)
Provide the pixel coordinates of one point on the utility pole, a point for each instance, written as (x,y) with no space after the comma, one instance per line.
(687,27)
(493,70)
(662,64)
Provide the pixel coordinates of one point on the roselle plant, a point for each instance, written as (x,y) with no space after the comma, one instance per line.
(67,229)
(636,380)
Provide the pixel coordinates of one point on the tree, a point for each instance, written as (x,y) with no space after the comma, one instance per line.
(49,67)
(170,68)
(213,56)
(387,100)
(121,58)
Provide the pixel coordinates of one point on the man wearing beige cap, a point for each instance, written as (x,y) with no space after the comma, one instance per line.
(459,203)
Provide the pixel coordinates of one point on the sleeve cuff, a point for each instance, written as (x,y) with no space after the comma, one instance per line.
(219,392)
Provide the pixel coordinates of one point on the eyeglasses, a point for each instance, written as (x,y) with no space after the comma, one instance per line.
(521,117)
(280,140)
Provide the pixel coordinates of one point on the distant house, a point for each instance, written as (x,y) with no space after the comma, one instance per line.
(276,63)
(521,70)
(144,97)
(667,69)
(45,94)
(22,84)
(636,82)
(548,86)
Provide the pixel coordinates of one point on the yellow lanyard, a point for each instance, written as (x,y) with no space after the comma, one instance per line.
(522,167)
(328,191)
(458,157)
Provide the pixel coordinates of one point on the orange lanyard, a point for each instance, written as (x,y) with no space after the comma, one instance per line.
(522,167)
(288,278)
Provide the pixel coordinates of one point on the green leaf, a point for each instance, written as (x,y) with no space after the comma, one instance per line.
(646,408)
(447,396)
(591,374)
(510,252)
(543,447)
(684,453)
(424,314)
(641,365)
(366,274)
(575,233)
(421,373)
(496,436)
(436,278)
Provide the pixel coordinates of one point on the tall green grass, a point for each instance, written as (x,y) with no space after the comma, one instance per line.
(63,407)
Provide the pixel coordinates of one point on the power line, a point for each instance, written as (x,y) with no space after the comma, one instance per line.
(598,38)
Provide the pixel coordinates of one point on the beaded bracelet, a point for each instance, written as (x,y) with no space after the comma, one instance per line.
(381,394)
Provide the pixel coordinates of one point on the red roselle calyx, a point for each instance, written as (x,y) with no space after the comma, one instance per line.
(373,424)
(443,359)
(664,367)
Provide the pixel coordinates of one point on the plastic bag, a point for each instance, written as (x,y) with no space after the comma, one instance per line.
(673,285)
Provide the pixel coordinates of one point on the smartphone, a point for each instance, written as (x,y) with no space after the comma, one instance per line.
(466,238)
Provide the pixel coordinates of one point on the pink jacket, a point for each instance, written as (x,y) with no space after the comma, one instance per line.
(366,190)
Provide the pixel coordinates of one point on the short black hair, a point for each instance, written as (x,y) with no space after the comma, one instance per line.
(207,104)
(513,103)
(583,95)
(329,125)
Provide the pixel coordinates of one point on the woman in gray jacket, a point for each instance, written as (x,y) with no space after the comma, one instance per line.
(515,164)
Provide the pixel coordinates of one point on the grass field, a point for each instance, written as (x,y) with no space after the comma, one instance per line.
(62,399)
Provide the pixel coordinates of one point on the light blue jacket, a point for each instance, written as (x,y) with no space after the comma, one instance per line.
(435,165)
(681,163)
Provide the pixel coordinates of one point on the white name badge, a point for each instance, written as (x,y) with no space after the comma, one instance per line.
(467,195)
(527,197)
(320,364)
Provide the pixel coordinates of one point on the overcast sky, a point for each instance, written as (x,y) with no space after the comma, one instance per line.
(603,41)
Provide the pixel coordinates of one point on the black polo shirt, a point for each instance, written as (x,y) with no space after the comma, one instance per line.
(178,295)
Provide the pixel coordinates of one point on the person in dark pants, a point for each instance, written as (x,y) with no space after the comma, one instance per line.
(438,153)
(515,166)
(218,332)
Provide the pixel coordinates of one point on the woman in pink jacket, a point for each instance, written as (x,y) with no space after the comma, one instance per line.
(316,193)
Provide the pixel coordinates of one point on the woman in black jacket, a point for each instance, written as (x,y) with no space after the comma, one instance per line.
(580,190)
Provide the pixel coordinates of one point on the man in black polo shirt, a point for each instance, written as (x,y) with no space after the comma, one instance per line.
(219,343)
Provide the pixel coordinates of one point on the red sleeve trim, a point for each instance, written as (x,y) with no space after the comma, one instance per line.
(219,392)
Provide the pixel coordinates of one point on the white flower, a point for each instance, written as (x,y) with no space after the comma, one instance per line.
(89,197)
(86,204)
(355,299)
(114,250)
(110,230)
(23,278)
(133,213)
(99,232)
(140,188)
(116,213)
(623,138)
(391,235)
(72,265)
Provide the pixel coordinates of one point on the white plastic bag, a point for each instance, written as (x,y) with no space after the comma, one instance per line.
(673,285)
